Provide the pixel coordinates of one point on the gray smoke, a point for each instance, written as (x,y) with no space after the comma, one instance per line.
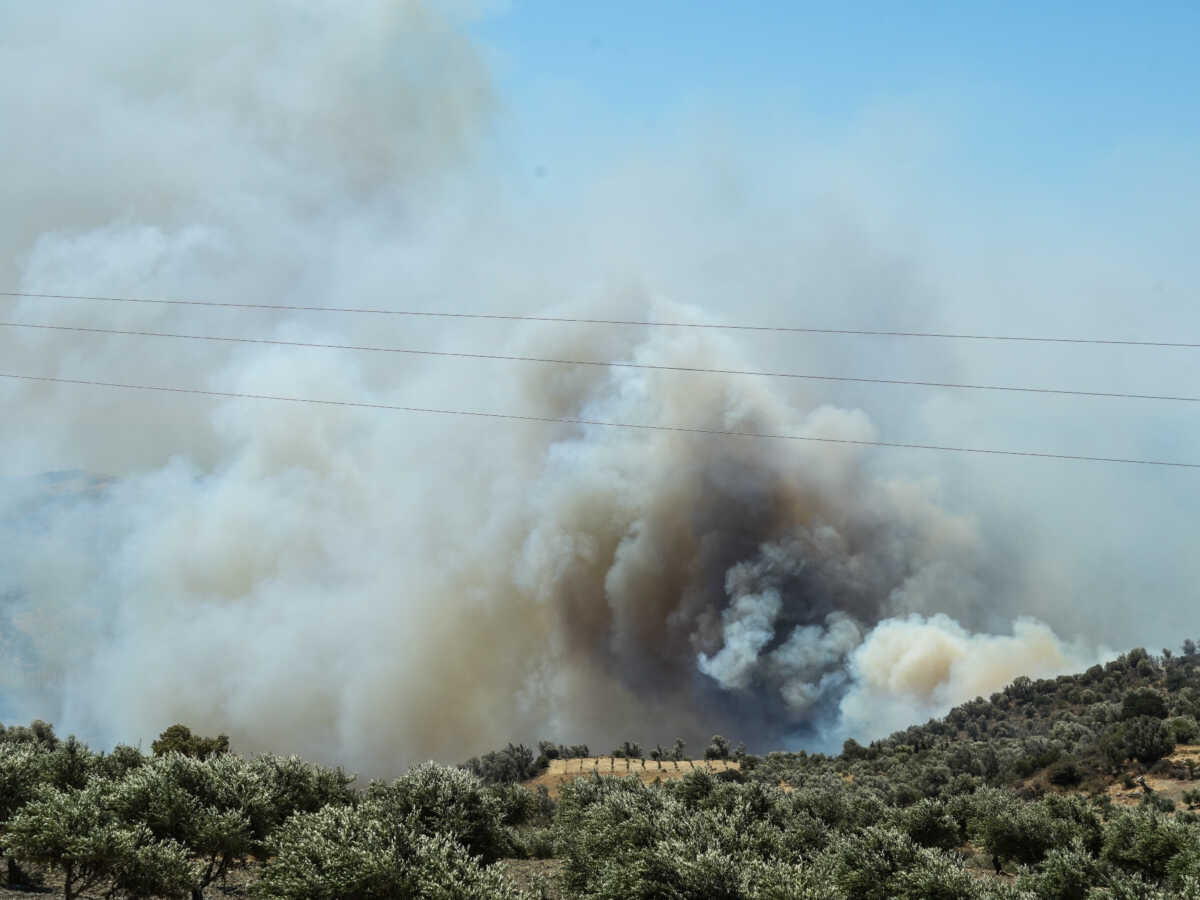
(374,587)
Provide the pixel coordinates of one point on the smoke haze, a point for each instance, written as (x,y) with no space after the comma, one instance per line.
(376,587)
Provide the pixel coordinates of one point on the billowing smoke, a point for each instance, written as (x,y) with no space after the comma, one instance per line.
(373,586)
(914,667)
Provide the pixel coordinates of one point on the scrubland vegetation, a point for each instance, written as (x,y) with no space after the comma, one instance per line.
(1062,788)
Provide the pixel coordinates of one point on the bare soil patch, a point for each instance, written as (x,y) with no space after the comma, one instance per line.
(541,877)
(48,883)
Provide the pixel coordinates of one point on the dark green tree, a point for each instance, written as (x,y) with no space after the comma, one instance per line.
(179,739)
(1144,702)
(718,748)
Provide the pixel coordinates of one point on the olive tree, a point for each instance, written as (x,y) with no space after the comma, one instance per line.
(443,800)
(341,853)
(76,832)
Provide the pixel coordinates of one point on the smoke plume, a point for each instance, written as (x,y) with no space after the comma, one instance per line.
(375,587)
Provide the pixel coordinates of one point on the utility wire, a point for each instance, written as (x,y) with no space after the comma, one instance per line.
(597,422)
(637,322)
(584,362)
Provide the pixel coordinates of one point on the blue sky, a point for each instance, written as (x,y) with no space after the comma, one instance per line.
(1031,91)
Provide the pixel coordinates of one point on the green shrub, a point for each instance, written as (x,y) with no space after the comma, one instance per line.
(1145,841)
(1065,773)
(516,762)
(76,832)
(620,838)
(929,824)
(443,800)
(22,771)
(152,868)
(221,808)
(290,784)
(1067,873)
(534,843)
(1183,729)
(1148,739)
(1143,738)
(1144,702)
(119,763)
(884,864)
(1009,828)
(342,853)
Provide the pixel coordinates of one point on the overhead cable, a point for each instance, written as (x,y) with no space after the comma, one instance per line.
(605,364)
(684,429)
(794,329)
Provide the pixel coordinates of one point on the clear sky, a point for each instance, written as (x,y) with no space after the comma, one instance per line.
(1032,90)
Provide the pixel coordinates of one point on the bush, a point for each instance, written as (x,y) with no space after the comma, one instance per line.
(516,805)
(619,838)
(22,770)
(223,807)
(1145,841)
(1010,829)
(534,843)
(1067,873)
(1143,702)
(119,763)
(1144,738)
(1147,739)
(514,763)
(930,825)
(1065,773)
(1183,729)
(153,869)
(341,853)
(291,784)
(442,800)
(76,832)
(69,764)
(882,864)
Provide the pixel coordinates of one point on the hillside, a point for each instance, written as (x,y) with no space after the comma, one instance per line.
(1083,786)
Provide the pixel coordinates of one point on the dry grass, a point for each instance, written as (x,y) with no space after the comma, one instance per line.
(1185,752)
(1163,785)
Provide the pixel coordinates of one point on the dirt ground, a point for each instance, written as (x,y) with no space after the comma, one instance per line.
(562,771)
(1164,786)
(539,876)
(48,883)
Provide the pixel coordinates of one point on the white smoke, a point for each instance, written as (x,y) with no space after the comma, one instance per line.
(373,587)
(911,668)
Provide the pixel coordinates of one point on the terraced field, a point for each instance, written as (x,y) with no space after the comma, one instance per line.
(562,771)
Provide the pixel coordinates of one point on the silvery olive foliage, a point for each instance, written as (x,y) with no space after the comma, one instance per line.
(1007,798)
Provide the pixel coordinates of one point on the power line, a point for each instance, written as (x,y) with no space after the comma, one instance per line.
(583,362)
(635,322)
(685,429)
